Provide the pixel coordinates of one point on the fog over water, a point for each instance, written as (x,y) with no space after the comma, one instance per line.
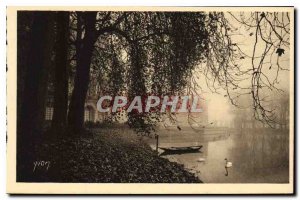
(259,154)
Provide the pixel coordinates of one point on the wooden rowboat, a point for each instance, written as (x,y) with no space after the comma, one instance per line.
(180,150)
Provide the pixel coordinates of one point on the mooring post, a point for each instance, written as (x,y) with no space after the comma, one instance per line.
(156,137)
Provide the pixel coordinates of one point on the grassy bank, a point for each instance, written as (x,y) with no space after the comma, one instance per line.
(104,156)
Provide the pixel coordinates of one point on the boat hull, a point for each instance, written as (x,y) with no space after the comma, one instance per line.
(180,150)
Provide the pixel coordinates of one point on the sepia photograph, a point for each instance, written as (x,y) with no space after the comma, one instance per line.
(157,100)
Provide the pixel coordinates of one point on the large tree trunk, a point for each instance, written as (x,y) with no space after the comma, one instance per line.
(32,112)
(36,78)
(23,52)
(84,52)
(59,119)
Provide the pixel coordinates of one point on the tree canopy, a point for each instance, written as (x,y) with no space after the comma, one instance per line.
(142,53)
(166,53)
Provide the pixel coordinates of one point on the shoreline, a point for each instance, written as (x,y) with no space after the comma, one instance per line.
(102,156)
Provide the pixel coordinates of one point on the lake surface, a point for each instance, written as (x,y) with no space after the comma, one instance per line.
(257,156)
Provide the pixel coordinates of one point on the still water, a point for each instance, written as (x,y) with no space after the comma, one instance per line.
(257,156)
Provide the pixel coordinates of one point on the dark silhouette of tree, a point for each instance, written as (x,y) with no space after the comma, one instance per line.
(159,53)
(59,120)
(33,97)
(84,51)
(36,78)
(173,49)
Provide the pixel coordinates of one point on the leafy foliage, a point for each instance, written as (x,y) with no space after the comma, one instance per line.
(109,156)
(162,53)
(150,53)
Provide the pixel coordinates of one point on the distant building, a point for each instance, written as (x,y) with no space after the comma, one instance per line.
(91,113)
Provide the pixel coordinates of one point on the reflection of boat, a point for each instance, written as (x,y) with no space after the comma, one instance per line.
(180,150)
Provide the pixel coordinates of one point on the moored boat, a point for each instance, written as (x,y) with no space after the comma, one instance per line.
(180,150)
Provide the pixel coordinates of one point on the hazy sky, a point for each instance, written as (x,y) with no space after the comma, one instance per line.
(218,106)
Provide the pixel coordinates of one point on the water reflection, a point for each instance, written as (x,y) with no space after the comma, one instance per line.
(257,157)
(226,171)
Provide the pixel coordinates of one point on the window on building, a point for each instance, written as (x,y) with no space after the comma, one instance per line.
(88,114)
(49,113)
